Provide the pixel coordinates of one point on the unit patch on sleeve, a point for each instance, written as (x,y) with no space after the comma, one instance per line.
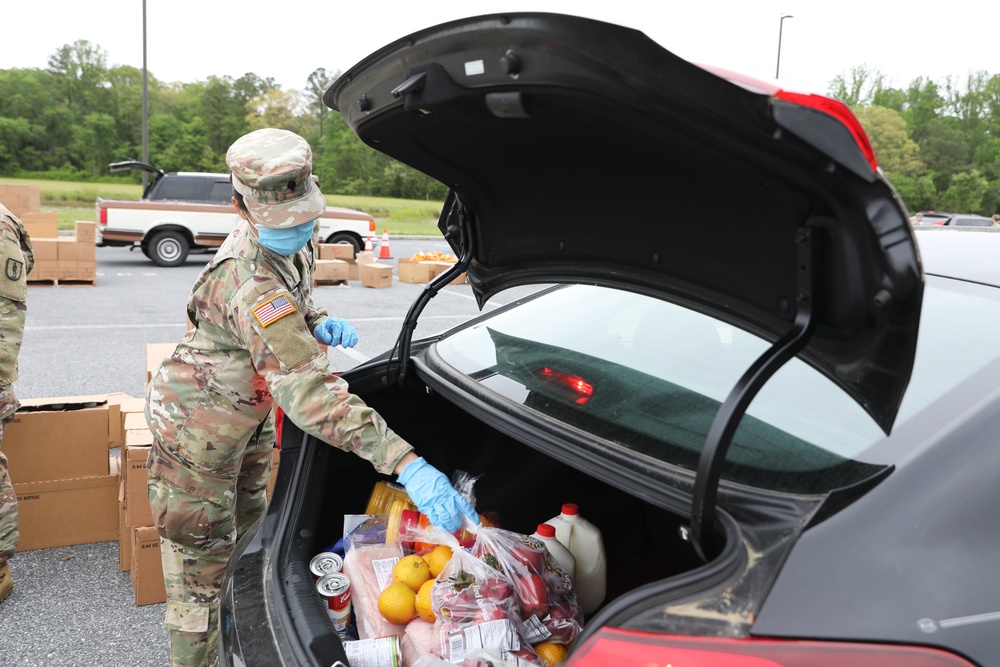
(14,268)
(271,311)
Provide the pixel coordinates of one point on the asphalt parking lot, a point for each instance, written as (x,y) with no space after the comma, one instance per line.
(71,605)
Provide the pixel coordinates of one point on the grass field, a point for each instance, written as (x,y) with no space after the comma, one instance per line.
(75,201)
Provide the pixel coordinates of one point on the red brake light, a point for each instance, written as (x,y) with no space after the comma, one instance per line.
(582,389)
(839,111)
(104,216)
(612,647)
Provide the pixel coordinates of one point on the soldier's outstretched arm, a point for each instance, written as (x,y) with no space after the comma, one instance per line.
(284,352)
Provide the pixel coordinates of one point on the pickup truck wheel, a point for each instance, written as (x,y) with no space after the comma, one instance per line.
(168,249)
(343,237)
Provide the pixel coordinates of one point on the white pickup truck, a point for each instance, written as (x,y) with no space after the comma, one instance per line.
(184,211)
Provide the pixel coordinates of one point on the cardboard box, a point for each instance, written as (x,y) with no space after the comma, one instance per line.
(71,251)
(86,232)
(412,271)
(124,537)
(344,251)
(330,270)
(45,249)
(147,568)
(40,224)
(438,267)
(155,354)
(376,275)
(21,199)
(58,438)
(120,405)
(45,269)
(142,437)
(64,512)
(137,509)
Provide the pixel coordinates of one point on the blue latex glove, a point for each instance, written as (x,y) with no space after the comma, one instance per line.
(434,495)
(336,331)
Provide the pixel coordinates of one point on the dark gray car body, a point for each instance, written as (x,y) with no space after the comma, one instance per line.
(547,126)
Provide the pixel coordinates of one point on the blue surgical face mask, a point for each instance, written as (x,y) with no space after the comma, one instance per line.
(288,240)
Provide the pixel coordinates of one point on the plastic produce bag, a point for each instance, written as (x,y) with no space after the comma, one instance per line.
(478,619)
(548,602)
(368,564)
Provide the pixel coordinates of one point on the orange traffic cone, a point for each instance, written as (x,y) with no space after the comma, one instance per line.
(383,247)
(368,244)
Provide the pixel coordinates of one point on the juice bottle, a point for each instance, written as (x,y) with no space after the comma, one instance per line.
(546,533)
(585,542)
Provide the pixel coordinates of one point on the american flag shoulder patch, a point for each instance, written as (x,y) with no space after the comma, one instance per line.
(271,311)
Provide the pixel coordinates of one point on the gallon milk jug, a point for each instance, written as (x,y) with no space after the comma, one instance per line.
(585,542)
(546,534)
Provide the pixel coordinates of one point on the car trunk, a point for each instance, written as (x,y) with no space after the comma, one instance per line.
(517,485)
(649,563)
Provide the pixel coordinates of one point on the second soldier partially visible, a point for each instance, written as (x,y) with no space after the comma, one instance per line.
(255,343)
(16,261)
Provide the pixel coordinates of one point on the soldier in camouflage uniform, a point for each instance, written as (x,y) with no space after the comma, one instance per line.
(16,261)
(254,344)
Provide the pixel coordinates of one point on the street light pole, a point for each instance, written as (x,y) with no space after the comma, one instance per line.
(145,100)
(781,25)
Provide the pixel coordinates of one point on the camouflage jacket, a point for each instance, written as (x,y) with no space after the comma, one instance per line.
(252,346)
(16,260)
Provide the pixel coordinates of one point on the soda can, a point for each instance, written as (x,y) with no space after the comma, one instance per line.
(335,588)
(325,563)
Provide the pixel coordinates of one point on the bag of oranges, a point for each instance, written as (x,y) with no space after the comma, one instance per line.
(477,618)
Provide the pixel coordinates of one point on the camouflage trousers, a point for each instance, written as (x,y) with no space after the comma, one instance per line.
(200,515)
(8,509)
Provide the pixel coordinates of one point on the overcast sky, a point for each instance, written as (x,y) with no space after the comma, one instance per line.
(188,40)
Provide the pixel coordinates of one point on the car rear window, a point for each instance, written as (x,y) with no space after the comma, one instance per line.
(649,376)
(180,188)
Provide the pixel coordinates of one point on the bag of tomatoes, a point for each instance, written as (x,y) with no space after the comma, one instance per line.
(544,590)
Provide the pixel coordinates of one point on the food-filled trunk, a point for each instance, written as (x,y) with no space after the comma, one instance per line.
(517,488)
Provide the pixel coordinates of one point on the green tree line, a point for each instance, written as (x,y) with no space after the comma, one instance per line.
(70,120)
(937,141)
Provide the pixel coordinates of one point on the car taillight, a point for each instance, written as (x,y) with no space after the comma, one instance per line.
(612,647)
(838,110)
(582,390)
(104,216)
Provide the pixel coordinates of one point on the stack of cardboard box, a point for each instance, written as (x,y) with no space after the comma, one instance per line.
(21,199)
(76,260)
(338,263)
(64,479)
(67,259)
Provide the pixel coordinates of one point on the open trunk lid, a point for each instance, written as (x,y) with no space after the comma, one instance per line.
(580,151)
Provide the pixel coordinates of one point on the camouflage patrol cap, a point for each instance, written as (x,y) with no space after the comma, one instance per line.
(272,169)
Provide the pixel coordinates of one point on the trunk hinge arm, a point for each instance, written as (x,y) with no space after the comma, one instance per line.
(727,419)
(456,210)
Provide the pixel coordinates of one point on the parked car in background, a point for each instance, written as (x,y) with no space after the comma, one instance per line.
(791,460)
(930,218)
(968,220)
(184,211)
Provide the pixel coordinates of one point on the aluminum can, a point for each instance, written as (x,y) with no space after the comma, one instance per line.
(378,652)
(325,563)
(335,588)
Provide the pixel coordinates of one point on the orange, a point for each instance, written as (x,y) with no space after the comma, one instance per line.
(438,558)
(551,654)
(423,604)
(412,571)
(397,603)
